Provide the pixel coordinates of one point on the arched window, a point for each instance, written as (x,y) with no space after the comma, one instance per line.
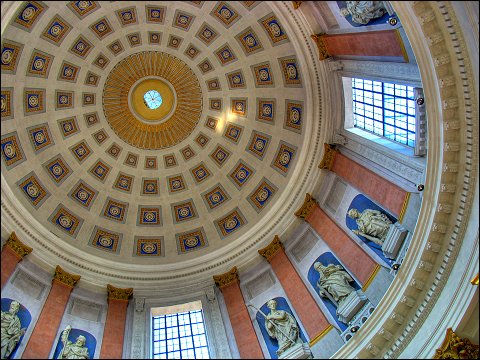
(178,332)
(379,110)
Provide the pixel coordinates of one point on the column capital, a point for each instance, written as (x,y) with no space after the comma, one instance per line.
(65,277)
(226,278)
(271,249)
(17,246)
(296,4)
(307,206)
(115,293)
(322,47)
(329,152)
(456,347)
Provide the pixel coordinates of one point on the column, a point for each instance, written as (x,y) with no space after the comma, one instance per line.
(247,341)
(12,253)
(43,335)
(388,195)
(384,43)
(347,250)
(113,333)
(312,318)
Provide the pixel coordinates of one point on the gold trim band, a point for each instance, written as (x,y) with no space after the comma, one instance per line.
(371,277)
(320,335)
(404,207)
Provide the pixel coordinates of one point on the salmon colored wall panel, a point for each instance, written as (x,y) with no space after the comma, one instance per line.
(371,43)
(302,301)
(348,251)
(43,335)
(245,336)
(10,259)
(388,195)
(113,334)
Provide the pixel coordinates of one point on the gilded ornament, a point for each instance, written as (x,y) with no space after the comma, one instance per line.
(328,156)
(454,347)
(17,246)
(65,277)
(118,294)
(308,204)
(271,249)
(322,47)
(227,278)
(296,4)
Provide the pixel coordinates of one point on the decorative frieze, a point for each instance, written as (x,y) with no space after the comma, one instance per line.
(447,81)
(444,208)
(441,60)
(441,228)
(373,349)
(308,204)
(17,246)
(226,278)
(407,300)
(269,251)
(425,265)
(450,168)
(65,277)
(118,293)
(435,38)
(448,188)
(451,125)
(399,319)
(329,152)
(451,146)
(417,284)
(387,335)
(450,103)
(426,17)
(433,247)
(139,304)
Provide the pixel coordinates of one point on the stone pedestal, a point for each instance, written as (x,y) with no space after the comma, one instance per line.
(351,305)
(394,240)
(298,351)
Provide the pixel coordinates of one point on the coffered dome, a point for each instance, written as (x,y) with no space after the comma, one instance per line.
(207,176)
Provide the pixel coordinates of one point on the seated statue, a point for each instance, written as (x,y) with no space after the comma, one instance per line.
(282,326)
(11,330)
(334,282)
(76,350)
(364,11)
(372,224)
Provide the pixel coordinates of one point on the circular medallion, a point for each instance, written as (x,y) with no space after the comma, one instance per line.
(28,13)
(105,241)
(267,110)
(191,241)
(32,190)
(56,30)
(39,137)
(82,195)
(33,100)
(149,248)
(263,74)
(114,210)
(57,170)
(39,64)
(242,174)
(231,224)
(259,145)
(285,158)
(227,14)
(262,195)
(295,116)
(183,212)
(7,56)
(9,150)
(149,216)
(65,221)
(291,71)
(276,31)
(216,198)
(250,41)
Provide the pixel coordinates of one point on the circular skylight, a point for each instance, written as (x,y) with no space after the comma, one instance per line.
(153,99)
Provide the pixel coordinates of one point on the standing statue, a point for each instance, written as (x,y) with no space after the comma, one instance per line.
(11,329)
(76,350)
(372,224)
(364,11)
(282,326)
(334,282)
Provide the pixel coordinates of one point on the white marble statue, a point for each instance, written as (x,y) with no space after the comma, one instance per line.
(364,11)
(372,224)
(282,326)
(76,350)
(12,330)
(333,283)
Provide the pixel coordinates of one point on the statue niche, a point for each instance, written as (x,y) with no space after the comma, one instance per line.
(75,344)
(14,323)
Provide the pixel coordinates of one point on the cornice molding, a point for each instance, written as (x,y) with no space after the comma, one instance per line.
(271,249)
(17,246)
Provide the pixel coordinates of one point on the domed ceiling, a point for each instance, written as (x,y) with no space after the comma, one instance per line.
(152,132)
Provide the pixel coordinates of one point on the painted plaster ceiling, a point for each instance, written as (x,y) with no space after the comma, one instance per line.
(82,156)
